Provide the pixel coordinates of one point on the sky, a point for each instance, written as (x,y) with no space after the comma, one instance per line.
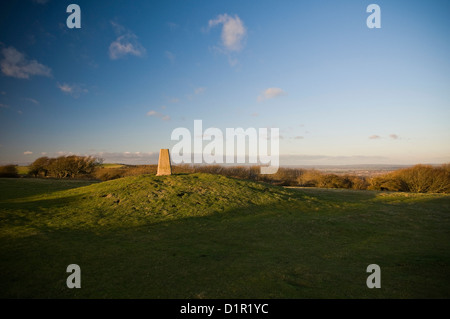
(339,92)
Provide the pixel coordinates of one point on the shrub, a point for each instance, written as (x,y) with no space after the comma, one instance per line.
(72,166)
(359,183)
(426,179)
(418,179)
(9,171)
(64,166)
(388,182)
(39,167)
(310,178)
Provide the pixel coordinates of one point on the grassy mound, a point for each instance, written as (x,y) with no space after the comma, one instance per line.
(140,200)
(209,236)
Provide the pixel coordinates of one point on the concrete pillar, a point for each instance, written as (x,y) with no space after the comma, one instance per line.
(164,167)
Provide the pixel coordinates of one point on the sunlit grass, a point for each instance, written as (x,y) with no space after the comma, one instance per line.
(208,236)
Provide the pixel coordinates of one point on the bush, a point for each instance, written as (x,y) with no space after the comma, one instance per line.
(64,166)
(418,179)
(310,178)
(388,182)
(9,171)
(39,167)
(359,183)
(426,179)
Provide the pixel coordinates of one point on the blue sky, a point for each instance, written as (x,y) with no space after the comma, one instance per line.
(339,92)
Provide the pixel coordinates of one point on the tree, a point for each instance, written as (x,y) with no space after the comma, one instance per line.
(65,166)
(9,171)
(73,166)
(39,166)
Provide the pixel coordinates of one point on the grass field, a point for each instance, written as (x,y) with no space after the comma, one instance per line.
(209,236)
(23,170)
(110,165)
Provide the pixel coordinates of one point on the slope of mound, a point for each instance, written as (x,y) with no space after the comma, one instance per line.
(144,199)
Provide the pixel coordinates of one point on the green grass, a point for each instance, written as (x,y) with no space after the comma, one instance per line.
(111,165)
(23,170)
(209,236)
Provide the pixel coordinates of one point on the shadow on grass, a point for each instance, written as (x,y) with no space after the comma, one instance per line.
(270,251)
(27,187)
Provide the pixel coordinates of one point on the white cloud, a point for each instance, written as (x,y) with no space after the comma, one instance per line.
(233,31)
(159,115)
(126,43)
(27,153)
(271,93)
(15,64)
(75,90)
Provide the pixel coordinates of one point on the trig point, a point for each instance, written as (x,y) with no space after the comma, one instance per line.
(164,167)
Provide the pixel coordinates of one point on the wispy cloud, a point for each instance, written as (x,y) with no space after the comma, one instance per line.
(31,100)
(27,153)
(158,115)
(171,56)
(271,93)
(16,64)
(199,90)
(377,137)
(394,136)
(125,44)
(75,90)
(172,26)
(174,100)
(4,106)
(233,31)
